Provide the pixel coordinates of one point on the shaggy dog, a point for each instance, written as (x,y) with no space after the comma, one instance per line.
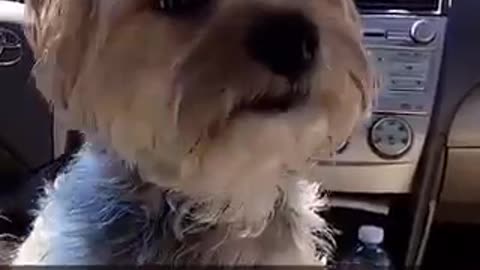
(200,118)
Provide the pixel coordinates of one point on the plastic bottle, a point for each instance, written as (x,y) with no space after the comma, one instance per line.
(368,255)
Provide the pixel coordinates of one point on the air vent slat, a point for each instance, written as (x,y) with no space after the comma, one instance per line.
(408,5)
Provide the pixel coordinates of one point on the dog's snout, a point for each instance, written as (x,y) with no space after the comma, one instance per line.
(285,43)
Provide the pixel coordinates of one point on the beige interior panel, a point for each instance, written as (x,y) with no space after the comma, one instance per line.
(460,197)
(462,176)
(391,178)
(465,130)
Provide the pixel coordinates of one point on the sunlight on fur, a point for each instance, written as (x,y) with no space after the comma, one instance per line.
(201,116)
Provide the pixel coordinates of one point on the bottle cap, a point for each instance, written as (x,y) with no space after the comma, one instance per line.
(370,235)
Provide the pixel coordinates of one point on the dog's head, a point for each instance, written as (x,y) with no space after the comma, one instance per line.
(205,94)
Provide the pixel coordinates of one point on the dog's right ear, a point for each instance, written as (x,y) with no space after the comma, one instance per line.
(58,32)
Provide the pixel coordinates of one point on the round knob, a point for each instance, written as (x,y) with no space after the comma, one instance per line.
(422,32)
(391,137)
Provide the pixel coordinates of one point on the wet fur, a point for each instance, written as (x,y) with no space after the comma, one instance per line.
(178,169)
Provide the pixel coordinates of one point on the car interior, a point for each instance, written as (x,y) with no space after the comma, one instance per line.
(412,169)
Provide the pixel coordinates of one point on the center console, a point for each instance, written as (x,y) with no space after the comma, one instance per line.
(371,175)
(405,41)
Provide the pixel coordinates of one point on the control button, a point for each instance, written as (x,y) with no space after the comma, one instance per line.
(418,70)
(419,108)
(409,56)
(401,36)
(406,84)
(390,137)
(422,32)
(405,106)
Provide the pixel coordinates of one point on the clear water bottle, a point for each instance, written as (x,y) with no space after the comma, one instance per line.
(368,255)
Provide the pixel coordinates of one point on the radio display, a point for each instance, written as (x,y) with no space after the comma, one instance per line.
(410,5)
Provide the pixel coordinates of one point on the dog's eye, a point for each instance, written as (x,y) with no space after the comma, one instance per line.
(178,6)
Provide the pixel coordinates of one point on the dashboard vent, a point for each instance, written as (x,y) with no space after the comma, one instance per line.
(405,5)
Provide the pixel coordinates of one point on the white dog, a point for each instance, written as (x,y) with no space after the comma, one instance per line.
(200,117)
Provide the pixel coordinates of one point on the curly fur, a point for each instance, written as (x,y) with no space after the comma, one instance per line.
(99,200)
(179,169)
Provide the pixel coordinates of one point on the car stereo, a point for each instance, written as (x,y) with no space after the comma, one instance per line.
(405,41)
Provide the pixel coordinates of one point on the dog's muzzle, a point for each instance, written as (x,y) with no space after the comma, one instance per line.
(280,45)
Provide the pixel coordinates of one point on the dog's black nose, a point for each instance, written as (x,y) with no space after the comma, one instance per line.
(286,43)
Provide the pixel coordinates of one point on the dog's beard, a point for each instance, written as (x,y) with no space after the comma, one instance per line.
(247,161)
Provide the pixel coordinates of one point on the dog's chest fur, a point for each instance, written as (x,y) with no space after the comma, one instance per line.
(101,212)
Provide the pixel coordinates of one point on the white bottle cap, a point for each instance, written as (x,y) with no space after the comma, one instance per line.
(371,235)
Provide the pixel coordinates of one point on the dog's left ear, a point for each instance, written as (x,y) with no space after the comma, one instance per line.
(58,32)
